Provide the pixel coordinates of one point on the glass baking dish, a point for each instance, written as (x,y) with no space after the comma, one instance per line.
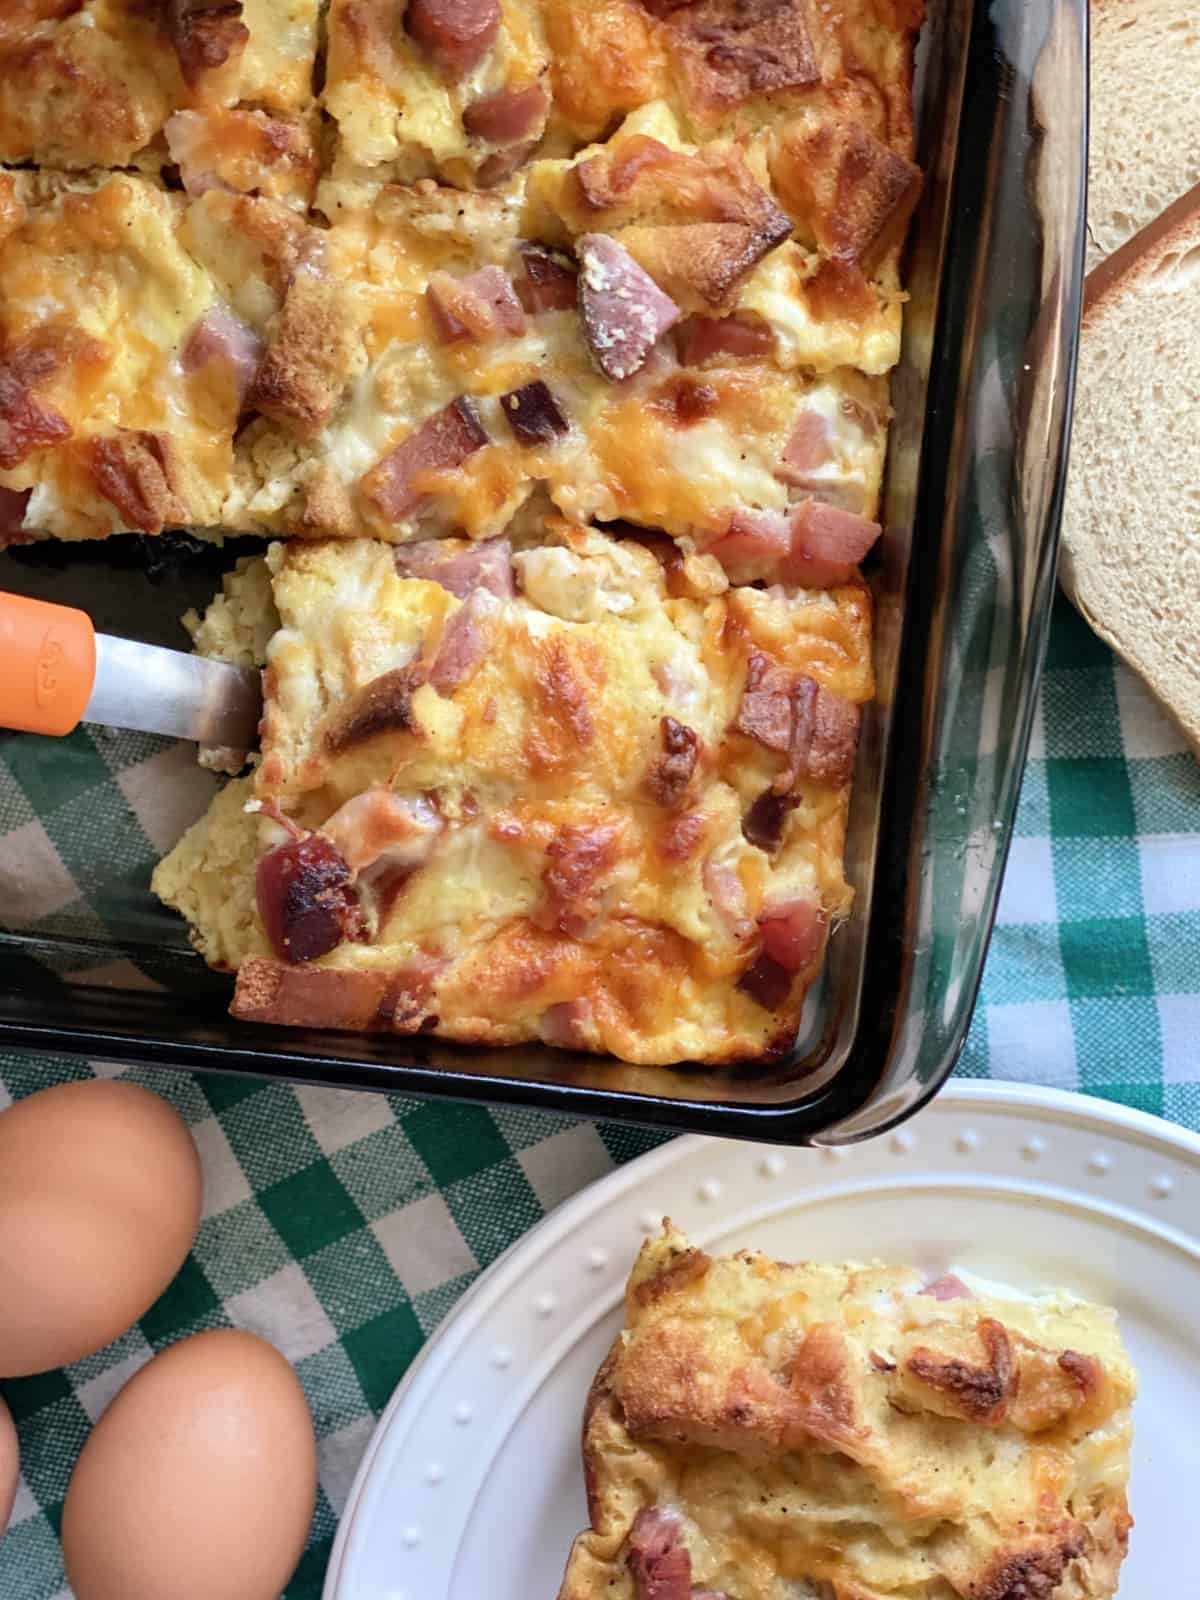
(963,584)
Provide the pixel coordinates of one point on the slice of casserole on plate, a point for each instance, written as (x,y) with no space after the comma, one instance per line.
(564,791)
(766,1431)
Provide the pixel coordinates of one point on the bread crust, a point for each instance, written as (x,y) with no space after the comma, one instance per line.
(1120,274)
(1178,225)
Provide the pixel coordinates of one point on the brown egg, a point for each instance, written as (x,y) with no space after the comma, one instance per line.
(198,1482)
(99,1203)
(8,1465)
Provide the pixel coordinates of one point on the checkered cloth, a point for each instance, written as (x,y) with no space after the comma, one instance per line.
(344,1227)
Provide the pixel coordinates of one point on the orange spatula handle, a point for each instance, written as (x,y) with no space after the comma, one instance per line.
(47,665)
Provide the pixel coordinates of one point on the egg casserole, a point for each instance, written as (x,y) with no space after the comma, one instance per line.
(521,790)
(762,1431)
(554,337)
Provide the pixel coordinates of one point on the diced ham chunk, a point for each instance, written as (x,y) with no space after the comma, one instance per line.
(466,639)
(533,414)
(814,728)
(565,1025)
(14,503)
(577,859)
(305,898)
(550,281)
(766,982)
(701,338)
(814,545)
(763,823)
(221,337)
(457,33)
(792,932)
(766,711)
(478,307)
(824,735)
(809,446)
(724,889)
(624,311)
(508,116)
(501,164)
(658,1560)
(380,829)
(486,565)
(187,136)
(441,443)
(755,544)
(947,1287)
(827,545)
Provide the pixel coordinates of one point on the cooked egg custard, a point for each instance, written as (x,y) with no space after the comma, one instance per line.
(763,1431)
(554,337)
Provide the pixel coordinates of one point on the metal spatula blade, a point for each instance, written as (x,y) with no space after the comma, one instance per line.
(56,671)
(166,691)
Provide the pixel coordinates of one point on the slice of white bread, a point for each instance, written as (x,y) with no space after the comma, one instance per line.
(1131,522)
(1145,115)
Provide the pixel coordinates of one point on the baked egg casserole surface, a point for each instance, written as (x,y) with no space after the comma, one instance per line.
(673,300)
(766,1431)
(534,766)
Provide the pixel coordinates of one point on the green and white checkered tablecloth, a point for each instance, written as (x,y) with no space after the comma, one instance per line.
(344,1226)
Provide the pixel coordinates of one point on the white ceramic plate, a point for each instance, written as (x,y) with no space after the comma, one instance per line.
(471,1488)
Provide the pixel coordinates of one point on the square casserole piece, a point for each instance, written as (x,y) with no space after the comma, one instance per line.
(581,791)
(433,369)
(769,1431)
(221,89)
(132,322)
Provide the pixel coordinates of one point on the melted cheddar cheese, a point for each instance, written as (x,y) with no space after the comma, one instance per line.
(827,1430)
(565,880)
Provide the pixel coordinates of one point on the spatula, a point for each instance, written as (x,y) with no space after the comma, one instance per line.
(57,671)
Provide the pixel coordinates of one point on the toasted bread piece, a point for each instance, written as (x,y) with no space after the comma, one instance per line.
(1131,523)
(767,1431)
(1144,137)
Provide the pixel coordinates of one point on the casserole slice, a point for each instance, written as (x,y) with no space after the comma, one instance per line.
(551,788)
(763,1430)
(223,91)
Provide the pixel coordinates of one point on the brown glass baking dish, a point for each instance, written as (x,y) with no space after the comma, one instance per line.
(963,585)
